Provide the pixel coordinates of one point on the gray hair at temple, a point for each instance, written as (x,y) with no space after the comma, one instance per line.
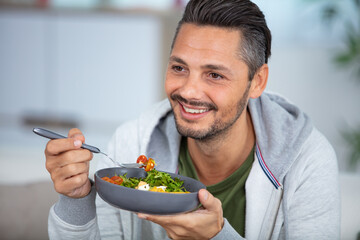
(242,15)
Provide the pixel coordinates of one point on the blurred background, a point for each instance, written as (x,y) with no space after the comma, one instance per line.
(94,64)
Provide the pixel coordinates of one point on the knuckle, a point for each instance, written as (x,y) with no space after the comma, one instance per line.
(181,234)
(56,181)
(70,156)
(71,169)
(218,202)
(79,180)
(48,166)
(76,180)
(74,131)
(86,155)
(58,187)
(56,176)
(90,156)
(78,155)
(50,148)
(53,178)
(87,163)
(192,226)
(84,177)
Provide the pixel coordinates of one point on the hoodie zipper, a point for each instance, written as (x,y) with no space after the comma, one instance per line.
(265,168)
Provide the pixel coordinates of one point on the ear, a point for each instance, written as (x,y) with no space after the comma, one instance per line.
(259,81)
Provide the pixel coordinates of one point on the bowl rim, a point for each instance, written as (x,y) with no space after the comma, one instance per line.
(96,174)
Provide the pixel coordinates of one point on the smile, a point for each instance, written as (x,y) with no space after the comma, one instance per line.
(194,111)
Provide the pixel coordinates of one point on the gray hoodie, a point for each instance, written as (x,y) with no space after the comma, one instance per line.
(292,190)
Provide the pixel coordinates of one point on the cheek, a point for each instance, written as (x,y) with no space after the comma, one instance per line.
(221,98)
(168,91)
(226,102)
(171,85)
(168,86)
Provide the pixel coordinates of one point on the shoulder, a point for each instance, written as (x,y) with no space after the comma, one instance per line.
(318,150)
(315,166)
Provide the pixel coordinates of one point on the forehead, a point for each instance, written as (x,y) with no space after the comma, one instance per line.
(207,40)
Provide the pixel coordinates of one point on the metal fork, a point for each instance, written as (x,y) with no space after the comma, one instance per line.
(52,135)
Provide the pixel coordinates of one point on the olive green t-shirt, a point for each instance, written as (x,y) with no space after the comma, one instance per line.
(231,191)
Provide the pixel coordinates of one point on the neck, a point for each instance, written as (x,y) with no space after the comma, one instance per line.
(216,159)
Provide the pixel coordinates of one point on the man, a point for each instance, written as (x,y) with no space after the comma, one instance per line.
(269,173)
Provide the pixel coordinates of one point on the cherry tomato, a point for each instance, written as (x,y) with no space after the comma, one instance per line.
(142,159)
(118,180)
(150,165)
(108,180)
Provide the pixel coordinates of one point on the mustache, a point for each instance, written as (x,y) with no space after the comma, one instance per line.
(177,97)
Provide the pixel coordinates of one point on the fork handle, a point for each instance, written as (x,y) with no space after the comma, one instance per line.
(52,135)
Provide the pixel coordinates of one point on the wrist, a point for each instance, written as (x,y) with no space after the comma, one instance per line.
(77,211)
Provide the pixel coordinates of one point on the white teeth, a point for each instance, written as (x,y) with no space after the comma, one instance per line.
(190,110)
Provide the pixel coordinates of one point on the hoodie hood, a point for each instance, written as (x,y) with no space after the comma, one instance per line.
(281,129)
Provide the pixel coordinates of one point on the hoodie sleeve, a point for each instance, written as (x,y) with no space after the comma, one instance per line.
(74,218)
(79,218)
(228,232)
(83,218)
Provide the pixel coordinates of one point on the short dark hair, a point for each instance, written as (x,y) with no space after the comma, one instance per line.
(242,15)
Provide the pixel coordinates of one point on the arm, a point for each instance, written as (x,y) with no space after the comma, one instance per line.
(73,216)
(313,203)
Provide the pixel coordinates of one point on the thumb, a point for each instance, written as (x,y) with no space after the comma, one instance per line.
(208,201)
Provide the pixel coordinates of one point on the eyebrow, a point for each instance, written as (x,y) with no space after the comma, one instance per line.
(177,59)
(207,66)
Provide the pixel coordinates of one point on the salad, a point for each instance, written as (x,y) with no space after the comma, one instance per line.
(155,181)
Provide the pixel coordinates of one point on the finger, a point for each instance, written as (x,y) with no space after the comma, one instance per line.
(208,201)
(167,222)
(212,206)
(67,158)
(69,185)
(56,163)
(150,217)
(171,234)
(77,134)
(57,146)
(68,171)
(180,226)
(74,156)
(163,220)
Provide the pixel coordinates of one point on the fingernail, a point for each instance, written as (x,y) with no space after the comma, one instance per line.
(206,196)
(141,216)
(77,143)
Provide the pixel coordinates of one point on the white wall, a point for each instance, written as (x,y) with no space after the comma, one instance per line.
(97,68)
(302,68)
(83,64)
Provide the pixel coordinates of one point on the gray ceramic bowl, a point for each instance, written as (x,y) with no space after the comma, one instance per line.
(143,201)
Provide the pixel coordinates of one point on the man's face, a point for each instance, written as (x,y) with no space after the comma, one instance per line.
(206,82)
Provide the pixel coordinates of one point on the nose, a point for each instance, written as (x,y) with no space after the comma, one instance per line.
(191,88)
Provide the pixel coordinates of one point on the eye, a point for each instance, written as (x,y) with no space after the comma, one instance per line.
(215,76)
(177,68)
